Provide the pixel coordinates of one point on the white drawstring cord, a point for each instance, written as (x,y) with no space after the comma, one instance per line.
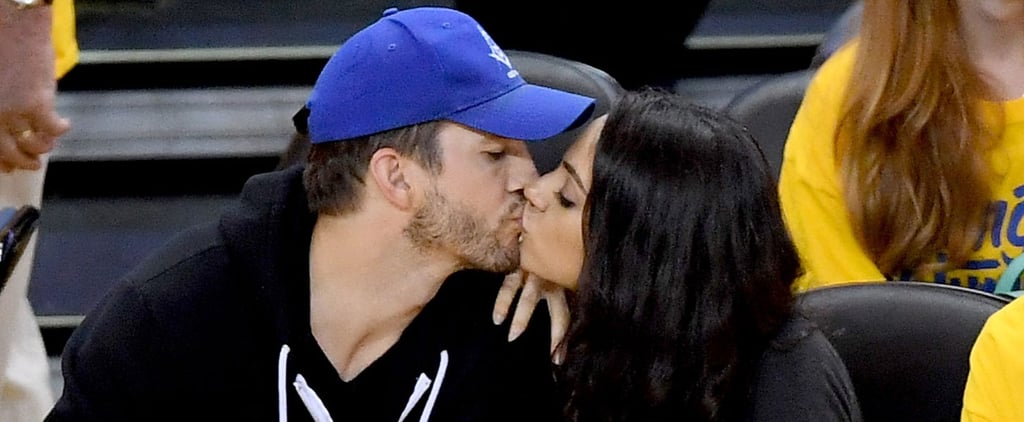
(436,388)
(314,405)
(282,389)
(422,384)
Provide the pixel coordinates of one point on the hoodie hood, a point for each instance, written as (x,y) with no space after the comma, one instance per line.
(267,234)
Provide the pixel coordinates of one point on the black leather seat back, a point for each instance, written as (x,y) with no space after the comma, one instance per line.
(768,107)
(843,30)
(767,110)
(906,344)
(566,75)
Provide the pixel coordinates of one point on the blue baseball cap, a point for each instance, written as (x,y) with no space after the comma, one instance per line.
(429,63)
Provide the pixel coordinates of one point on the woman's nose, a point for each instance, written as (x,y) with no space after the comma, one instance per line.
(533,196)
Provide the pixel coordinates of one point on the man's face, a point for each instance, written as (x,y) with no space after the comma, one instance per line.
(474,208)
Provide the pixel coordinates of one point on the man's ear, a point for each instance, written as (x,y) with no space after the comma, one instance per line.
(389,172)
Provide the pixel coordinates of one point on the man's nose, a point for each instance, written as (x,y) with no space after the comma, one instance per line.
(522,174)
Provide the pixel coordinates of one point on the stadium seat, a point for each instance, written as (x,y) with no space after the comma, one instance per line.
(906,345)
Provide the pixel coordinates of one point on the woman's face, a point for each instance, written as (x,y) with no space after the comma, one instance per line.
(552,242)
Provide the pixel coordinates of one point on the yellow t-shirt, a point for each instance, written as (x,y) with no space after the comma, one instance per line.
(64,42)
(995,386)
(816,213)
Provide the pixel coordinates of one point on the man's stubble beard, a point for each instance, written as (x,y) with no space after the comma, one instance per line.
(442,225)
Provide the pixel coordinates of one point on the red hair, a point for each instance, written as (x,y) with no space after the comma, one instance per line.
(914,144)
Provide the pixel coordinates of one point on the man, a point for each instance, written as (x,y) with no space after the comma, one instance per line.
(37,47)
(323,295)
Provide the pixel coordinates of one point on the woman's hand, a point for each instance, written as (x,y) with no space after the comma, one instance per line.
(534,290)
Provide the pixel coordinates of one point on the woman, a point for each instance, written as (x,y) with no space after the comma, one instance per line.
(664,218)
(905,159)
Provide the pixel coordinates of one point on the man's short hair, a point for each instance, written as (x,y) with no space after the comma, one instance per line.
(335,175)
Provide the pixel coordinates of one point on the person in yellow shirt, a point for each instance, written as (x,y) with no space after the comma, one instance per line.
(995,385)
(37,47)
(906,158)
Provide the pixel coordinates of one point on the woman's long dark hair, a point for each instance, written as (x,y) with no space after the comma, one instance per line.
(687,272)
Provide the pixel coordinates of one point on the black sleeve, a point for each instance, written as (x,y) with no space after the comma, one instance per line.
(805,381)
(103,358)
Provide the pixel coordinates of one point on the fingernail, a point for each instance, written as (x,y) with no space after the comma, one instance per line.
(559,358)
(498,318)
(514,334)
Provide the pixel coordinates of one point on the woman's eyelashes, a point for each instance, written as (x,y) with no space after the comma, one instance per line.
(562,200)
(496,155)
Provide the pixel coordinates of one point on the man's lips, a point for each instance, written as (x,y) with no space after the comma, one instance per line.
(517,216)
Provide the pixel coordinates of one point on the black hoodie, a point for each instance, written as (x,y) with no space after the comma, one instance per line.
(215,326)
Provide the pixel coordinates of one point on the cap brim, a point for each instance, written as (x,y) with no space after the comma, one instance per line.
(528,112)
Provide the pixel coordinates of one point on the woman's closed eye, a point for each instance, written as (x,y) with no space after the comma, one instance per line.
(563,201)
(496,155)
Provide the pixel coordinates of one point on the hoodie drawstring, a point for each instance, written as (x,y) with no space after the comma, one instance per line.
(282,384)
(421,387)
(314,405)
(422,384)
(436,388)
(319,412)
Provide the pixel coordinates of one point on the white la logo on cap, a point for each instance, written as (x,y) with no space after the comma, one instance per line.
(497,53)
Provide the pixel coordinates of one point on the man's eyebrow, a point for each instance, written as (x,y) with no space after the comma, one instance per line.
(488,142)
(575,176)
